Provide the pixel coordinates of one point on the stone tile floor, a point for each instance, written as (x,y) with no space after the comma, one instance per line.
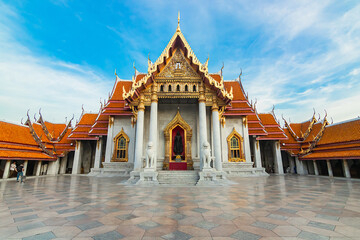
(276,207)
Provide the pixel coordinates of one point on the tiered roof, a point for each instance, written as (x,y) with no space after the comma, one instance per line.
(303,136)
(83,127)
(339,141)
(34,141)
(272,127)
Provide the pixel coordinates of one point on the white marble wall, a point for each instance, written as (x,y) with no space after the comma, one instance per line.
(231,123)
(124,122)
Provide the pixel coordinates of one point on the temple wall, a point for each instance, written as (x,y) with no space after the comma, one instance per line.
(166,112)
(121,122)
(231,123)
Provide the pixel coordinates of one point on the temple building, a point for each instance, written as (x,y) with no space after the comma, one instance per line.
(319,148)
(177,116)
(42,147)
(178,123)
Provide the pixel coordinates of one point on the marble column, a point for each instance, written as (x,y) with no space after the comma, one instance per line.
(277,158)
(77,158)
(257,153)
(316,169)
(216,134)
(246,141)
(202,123)
(6,169)
(154,121)
(110,140)
(139,136)
(98,151)
(329,168)
(346,168)
(63,164)
(299,166)
(38,168)
(54,167)
(291,163)
(25,166)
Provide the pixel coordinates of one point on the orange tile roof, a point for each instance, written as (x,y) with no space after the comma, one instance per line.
(14,133)
(21,155)
(237,90)
(345,154)
(117,92)
(341,132)
(216,77)
(273,129)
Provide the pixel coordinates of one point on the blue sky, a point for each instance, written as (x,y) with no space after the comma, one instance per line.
(297,55)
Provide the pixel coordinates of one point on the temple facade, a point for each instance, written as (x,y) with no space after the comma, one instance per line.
(178,117)
(178,123)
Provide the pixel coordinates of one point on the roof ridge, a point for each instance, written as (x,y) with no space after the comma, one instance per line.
(345,121)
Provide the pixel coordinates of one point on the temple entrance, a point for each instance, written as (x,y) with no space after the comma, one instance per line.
(178,145)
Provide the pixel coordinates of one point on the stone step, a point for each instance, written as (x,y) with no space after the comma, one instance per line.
(178,177)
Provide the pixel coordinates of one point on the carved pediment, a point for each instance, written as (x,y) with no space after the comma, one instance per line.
(177,67)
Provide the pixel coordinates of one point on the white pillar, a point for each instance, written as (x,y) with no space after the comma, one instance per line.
(277,157)
(110,140)
(25,166)
(77,158)
(202,123)
(299,166)
(38,168)
(257,152)
(54,167)
(316,170)
(329,168)
(98,151)
(139,138)
(346,169)
(6,169)
(216,135)
(63,164)
(246,141)
(154,122)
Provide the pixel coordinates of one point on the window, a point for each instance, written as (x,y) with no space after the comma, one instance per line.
(169,88)
(178,65)
(235,143)
(178,88)
(161,88)
(194,88)
(186,88)
(121,142)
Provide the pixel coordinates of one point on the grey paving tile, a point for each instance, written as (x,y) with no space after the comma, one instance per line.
(41,236)
(311,236)
(29,217)
(30,226)
(200,210)
(77,217)
(69,210)
(148,225)
(245,236)
(177,235)
(21,211)
(206,225)
(126,216)
(89,225)
(113,235)
(277,216)
(328,217)
(287,210)
(58,206)
(178,216)
(178,205)
(265,225)
(227,216)
(322,225)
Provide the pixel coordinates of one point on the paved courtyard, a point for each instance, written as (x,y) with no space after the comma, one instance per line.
(277,207)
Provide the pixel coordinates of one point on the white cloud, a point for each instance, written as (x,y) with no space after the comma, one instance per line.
(29,81)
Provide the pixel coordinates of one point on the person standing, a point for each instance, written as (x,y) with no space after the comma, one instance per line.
(13,169)
(20,172)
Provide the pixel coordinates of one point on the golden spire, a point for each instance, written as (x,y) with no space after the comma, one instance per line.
(178,26)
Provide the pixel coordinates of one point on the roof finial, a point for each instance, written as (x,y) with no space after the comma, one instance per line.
(178,26)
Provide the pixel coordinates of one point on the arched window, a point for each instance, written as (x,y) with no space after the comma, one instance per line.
(169,89)
(178,88)
(121,142)
(235,144)
(194,88)
(161,88)
(186,88)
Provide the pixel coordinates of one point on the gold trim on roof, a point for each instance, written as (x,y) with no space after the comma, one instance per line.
(203,68)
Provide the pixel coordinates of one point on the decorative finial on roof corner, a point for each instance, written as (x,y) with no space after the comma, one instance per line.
(115,72)
(222,69)
(22,121)
(332,120)
(82,109)
(240,74)
(273,110)
(35,117)
(178,26)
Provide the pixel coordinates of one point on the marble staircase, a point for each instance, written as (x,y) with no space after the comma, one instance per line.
(178,177)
